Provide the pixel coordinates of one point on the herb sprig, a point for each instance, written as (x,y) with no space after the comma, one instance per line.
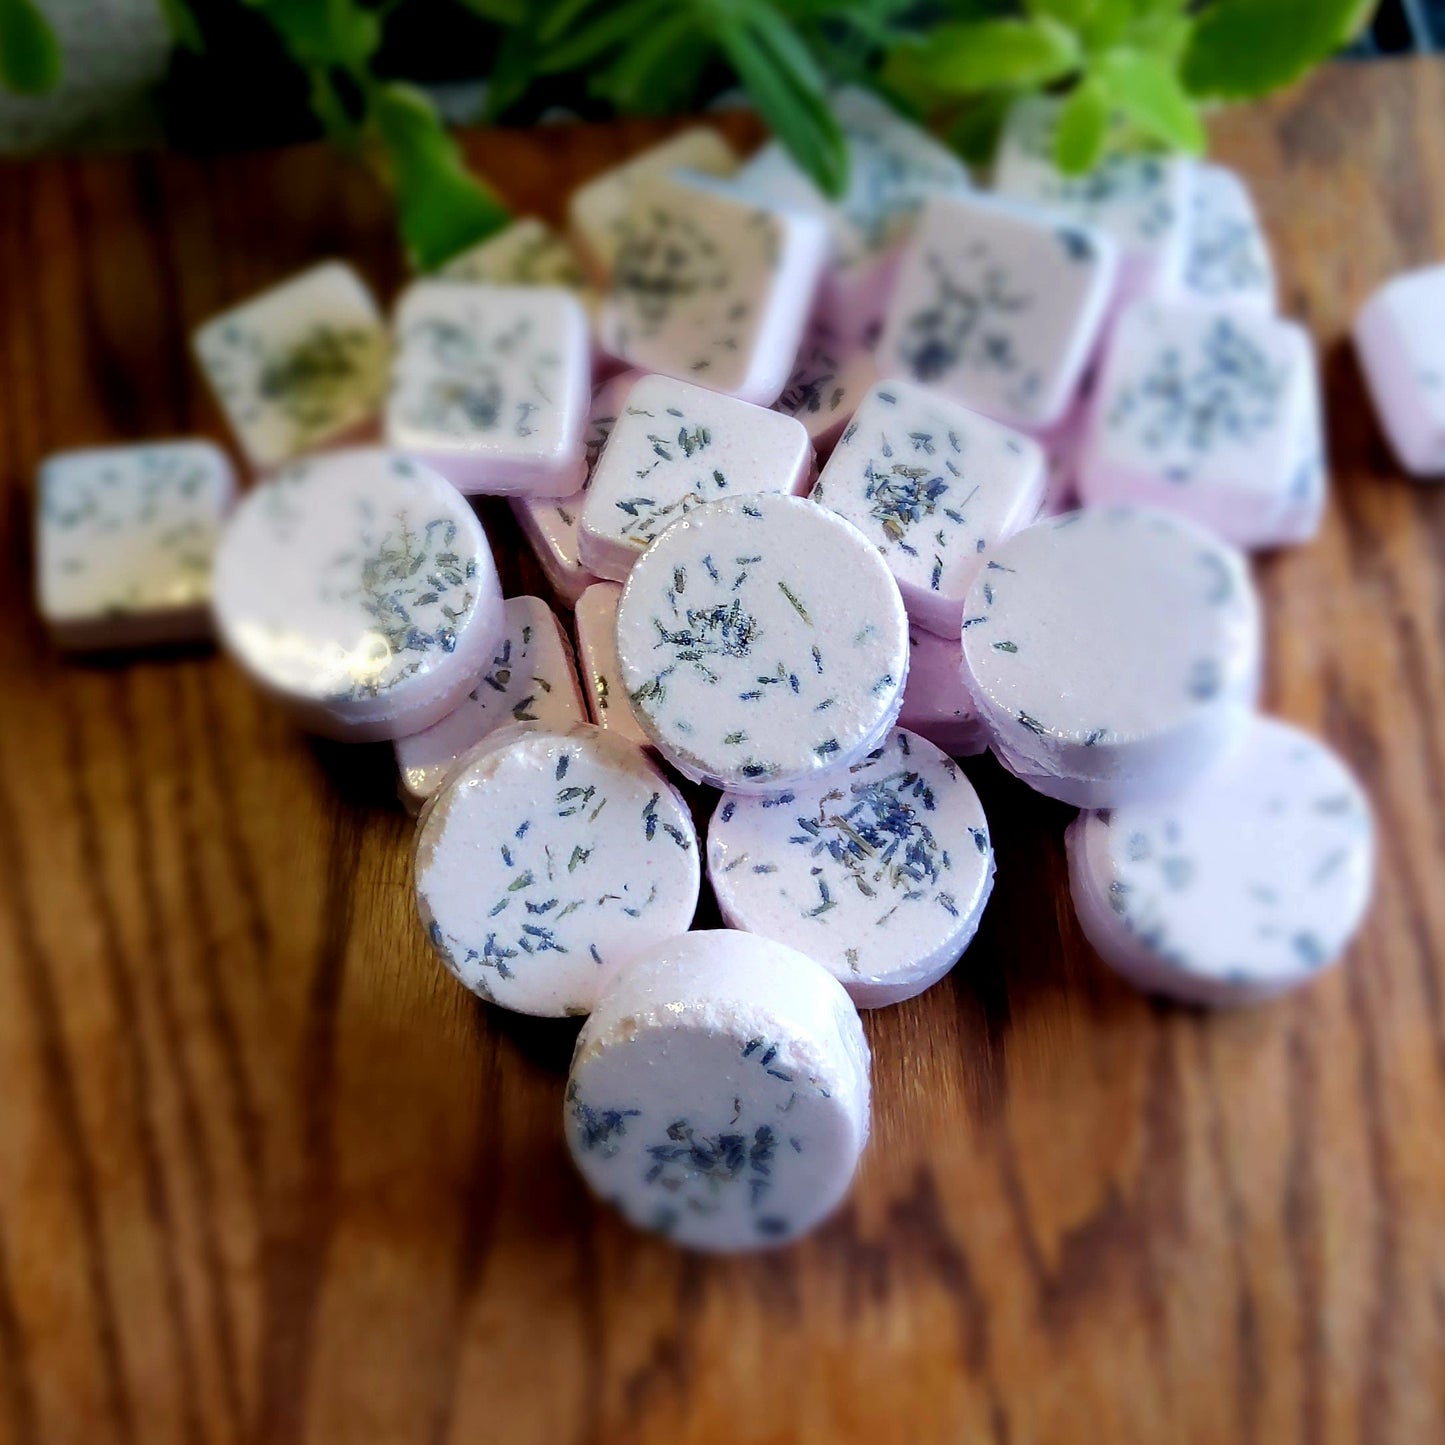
(1128,72)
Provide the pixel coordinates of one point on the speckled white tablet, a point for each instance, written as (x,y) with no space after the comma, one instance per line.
(491,386)
(124,539)
(933,486)
(1141,200)
(526,253)
(358,588)
(893,167)
(1400,338)
(998,307)
(829,379)
(719,1093)
(532,679)
(1210,412)
(879,871)
(762,641)
(1237,889)
(597,211)
(674,447)
(546,855)
(1226,255)
(300,366)
(936,704)
(607,701)
(1112,653)
(551,526)
(710,288)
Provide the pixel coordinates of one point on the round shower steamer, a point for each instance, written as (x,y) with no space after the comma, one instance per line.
(1237,889)
(719,1092)
(547,855)
(357,587)
(762,641)
(880,871)
(1113,653)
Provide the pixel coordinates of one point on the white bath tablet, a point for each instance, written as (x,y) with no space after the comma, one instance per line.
(1112,654)
(359,589)
(933,486)
(1234,890)
(762,641)
(531,679)
(936,704)
(719,1093)
(547,854)
(597,656)
(879,871)
(675,446)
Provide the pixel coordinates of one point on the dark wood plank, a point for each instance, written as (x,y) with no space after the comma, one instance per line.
(266,1174)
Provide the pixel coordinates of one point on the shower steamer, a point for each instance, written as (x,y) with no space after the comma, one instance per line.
(1139,199)
(1237,889)
(124,540)
(879,871)
(719,1093)
(358,589)
(1400,338)
(936,704)
(762,641)
(1226,255)
(673,447)
(1211,412)
(998,307)
(546,855)
(1113,654)
(491,386)
(551,525)
(597,654)
(532,679)
(708,287)
(301,366)
(933,486)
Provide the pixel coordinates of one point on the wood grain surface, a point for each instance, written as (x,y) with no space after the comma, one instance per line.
(267,1174)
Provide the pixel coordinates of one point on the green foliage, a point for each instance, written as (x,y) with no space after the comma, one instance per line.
(441,207)
(1244,48)
(29,55)
(1126,72)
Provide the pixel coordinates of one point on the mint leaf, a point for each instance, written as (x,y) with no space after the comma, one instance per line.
(29,54)
(1082,127)
(441,207)
(1146,90)
(1244,48)
(969,57)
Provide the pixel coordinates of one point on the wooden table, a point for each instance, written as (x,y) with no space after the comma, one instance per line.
(267,1174)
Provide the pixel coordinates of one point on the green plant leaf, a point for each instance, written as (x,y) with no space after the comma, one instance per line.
(976,129)
(182,23)
(1146,90)
(500,12)
(29,53)
(1073,13)
(615,25)
(442,208)
(340,33)
(1082,128)
(1244,48)
(788,94)
(975,56)
(657,72)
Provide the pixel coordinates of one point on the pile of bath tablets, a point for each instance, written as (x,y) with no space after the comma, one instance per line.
(829,494)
